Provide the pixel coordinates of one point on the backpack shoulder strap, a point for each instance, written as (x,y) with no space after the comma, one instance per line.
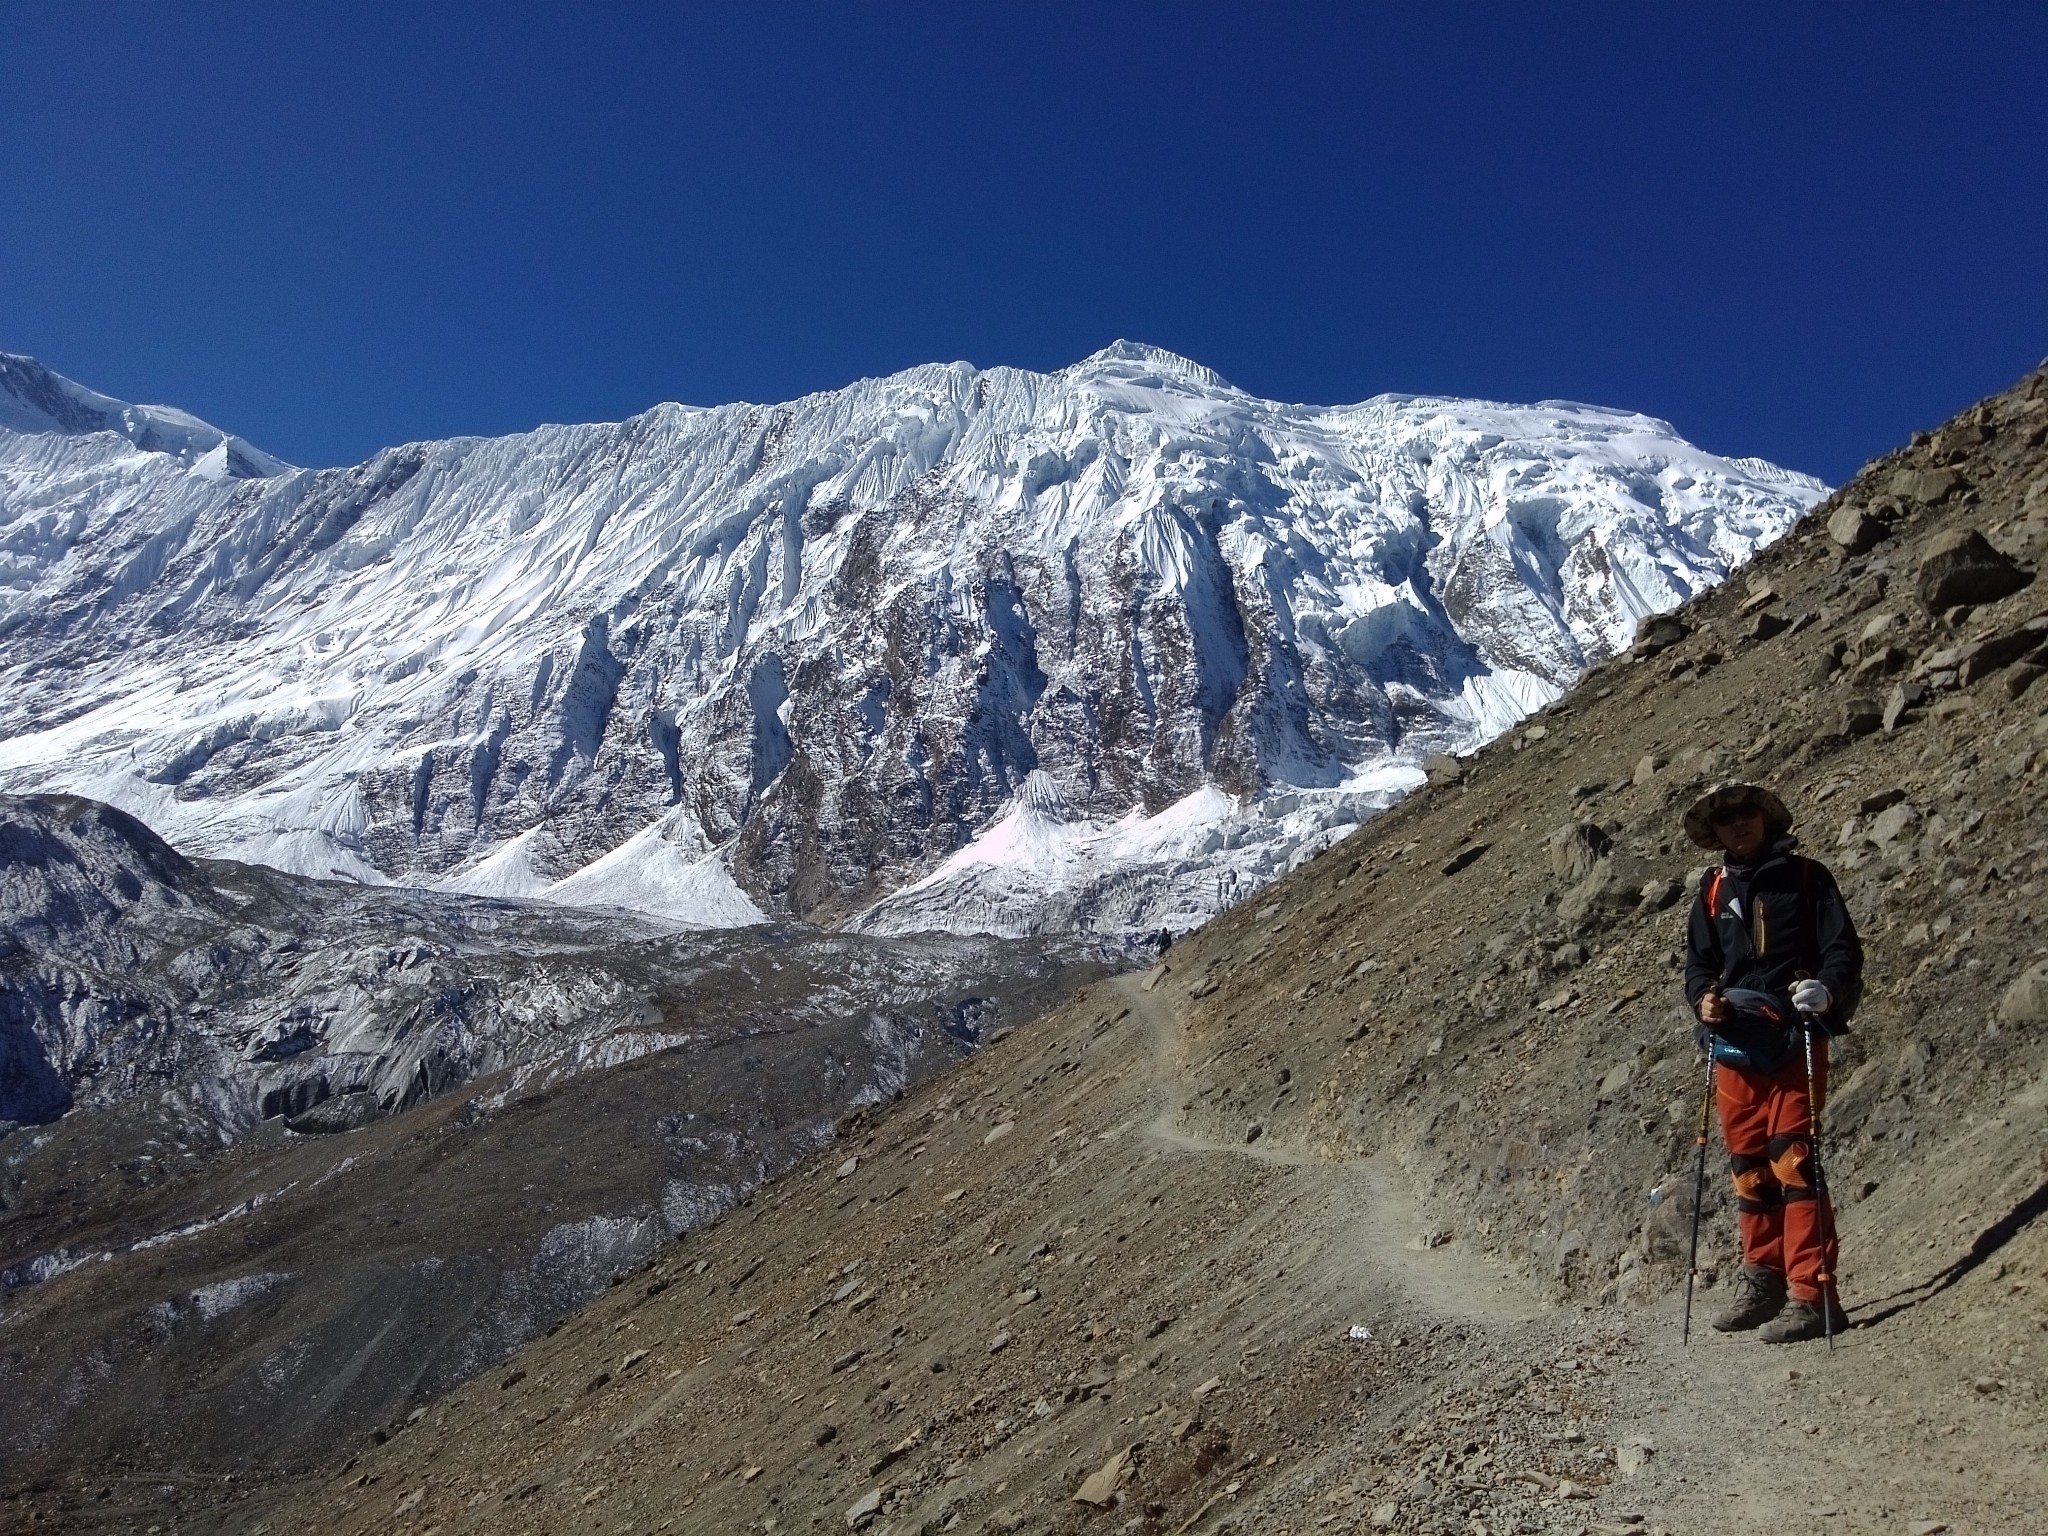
(1809,909)
(1714,893)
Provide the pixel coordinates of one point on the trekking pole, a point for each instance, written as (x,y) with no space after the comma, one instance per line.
(1825,1216)
(1699,1195)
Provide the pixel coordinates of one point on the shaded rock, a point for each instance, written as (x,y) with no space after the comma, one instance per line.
(1881,662)
(1657,895)
(1892,823)
(1099,1487)
(1768,624)
(1575,848)
(1961,567)
(1861,716)
(1658,632)
(1649,765)
(1988,656)
(1442,768)
(1903,697)
(2026,1000)
(1855,530)
(864,1509)
(1929,487)
(1464,857)
(1612,889)
(1633,1454)
(1615,1079)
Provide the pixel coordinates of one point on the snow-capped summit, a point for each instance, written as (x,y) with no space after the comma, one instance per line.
(795,658)
(35,400)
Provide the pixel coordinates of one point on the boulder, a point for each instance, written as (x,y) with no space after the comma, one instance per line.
(1658,632)
(864,1509)
(1099,1487)
(1904,697)
(2026,1000)
(1961,568)
(1861,716)
(1575,848)
(1855,530)
(1988,656)
(1892,823)
(1656,895)
(1768,625)
(1611,890)
(1929,487)
(1649,765)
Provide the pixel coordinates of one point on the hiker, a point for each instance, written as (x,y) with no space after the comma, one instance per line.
(1771,951)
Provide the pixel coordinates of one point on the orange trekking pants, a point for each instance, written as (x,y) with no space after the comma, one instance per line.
(1769,1132)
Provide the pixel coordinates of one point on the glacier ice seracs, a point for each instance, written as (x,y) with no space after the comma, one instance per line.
(1148,638)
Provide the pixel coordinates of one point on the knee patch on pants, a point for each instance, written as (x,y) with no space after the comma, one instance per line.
(1791,1159)
(1755,1192)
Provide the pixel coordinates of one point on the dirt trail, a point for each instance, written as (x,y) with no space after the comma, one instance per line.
(1742,1437)
(1367,1211)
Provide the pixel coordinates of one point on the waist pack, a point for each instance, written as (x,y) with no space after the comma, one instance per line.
(1761,1033)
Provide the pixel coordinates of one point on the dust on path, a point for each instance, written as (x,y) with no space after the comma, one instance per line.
(1744,1436)
(1366,1212)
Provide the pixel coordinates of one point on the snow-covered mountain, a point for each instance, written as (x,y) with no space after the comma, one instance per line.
(1148,637)
(35,401)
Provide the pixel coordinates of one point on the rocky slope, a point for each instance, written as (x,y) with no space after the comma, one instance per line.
(300,1150)
(715,663)
(1364,1209)
(225,995)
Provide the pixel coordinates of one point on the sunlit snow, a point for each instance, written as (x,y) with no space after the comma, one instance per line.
(671,662)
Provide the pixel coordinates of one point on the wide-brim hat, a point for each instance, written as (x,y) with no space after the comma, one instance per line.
(1699,820)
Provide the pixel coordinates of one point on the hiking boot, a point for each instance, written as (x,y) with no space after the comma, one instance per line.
(1802,1320)
(1759,1297)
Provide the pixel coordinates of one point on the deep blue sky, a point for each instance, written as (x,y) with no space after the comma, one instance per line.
(332,227)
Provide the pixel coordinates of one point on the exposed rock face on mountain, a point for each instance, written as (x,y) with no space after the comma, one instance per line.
(715,663)
(223,995)
(1367,1209)
(325,1144)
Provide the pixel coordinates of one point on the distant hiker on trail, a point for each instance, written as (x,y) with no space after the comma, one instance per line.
(1771,952)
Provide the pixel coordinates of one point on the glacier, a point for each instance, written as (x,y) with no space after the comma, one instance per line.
(984,650)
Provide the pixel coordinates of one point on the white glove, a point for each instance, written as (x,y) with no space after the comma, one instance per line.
(1812,997)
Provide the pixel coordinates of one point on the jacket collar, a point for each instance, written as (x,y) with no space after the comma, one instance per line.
(1777,853)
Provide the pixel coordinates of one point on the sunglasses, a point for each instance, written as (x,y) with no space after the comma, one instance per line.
(1734,813)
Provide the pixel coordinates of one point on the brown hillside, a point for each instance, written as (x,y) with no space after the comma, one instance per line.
(1426,1091)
